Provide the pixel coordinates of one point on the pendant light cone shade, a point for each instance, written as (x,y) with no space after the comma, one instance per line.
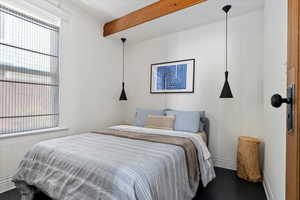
(123,96)
(226,91)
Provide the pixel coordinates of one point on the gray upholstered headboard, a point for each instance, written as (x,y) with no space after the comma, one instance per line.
(205,120)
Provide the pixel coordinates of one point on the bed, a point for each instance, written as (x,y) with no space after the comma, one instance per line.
(104,166)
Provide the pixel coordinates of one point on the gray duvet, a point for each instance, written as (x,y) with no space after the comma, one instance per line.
(102,167)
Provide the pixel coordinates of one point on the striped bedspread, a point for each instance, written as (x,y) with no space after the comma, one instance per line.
(102,167)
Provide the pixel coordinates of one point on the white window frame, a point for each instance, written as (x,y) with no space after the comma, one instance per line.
(38,7)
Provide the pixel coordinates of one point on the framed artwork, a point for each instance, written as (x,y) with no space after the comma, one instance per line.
(173,77)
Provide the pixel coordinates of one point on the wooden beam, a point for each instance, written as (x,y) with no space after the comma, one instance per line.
(148,13)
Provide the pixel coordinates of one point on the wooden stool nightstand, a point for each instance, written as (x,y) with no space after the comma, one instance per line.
(248,167)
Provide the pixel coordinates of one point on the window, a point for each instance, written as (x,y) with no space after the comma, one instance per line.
(29,78)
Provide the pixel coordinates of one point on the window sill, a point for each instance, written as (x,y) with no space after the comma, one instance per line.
(35,132)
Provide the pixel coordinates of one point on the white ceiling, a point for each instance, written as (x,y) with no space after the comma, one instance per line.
(108,10)
(204,13)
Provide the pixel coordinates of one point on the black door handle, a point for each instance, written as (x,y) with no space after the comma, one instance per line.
(277,100)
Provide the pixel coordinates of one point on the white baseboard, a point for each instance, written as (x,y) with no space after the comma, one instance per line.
(268,191)
(6,184)
(224,163)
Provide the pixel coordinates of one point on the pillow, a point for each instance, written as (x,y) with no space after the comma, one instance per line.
(160,122)
(188,121)
(142,114)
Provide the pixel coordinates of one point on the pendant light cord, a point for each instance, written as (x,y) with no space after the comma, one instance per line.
(123,75)
(226,41)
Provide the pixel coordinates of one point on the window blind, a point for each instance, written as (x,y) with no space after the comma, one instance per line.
(29,73)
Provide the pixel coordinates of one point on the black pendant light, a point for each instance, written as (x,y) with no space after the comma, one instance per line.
(123,96)
(226,91)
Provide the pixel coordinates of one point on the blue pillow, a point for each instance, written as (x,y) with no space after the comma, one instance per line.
(188,121)
(142,114)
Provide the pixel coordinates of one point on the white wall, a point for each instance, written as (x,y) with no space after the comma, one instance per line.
(229,118)
(275,65)
(90,87)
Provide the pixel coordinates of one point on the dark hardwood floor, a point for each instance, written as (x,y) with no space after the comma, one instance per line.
(225,187)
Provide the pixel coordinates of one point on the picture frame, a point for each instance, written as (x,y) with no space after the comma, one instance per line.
(173,77)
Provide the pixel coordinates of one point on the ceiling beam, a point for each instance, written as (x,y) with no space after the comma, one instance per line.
(148,13)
